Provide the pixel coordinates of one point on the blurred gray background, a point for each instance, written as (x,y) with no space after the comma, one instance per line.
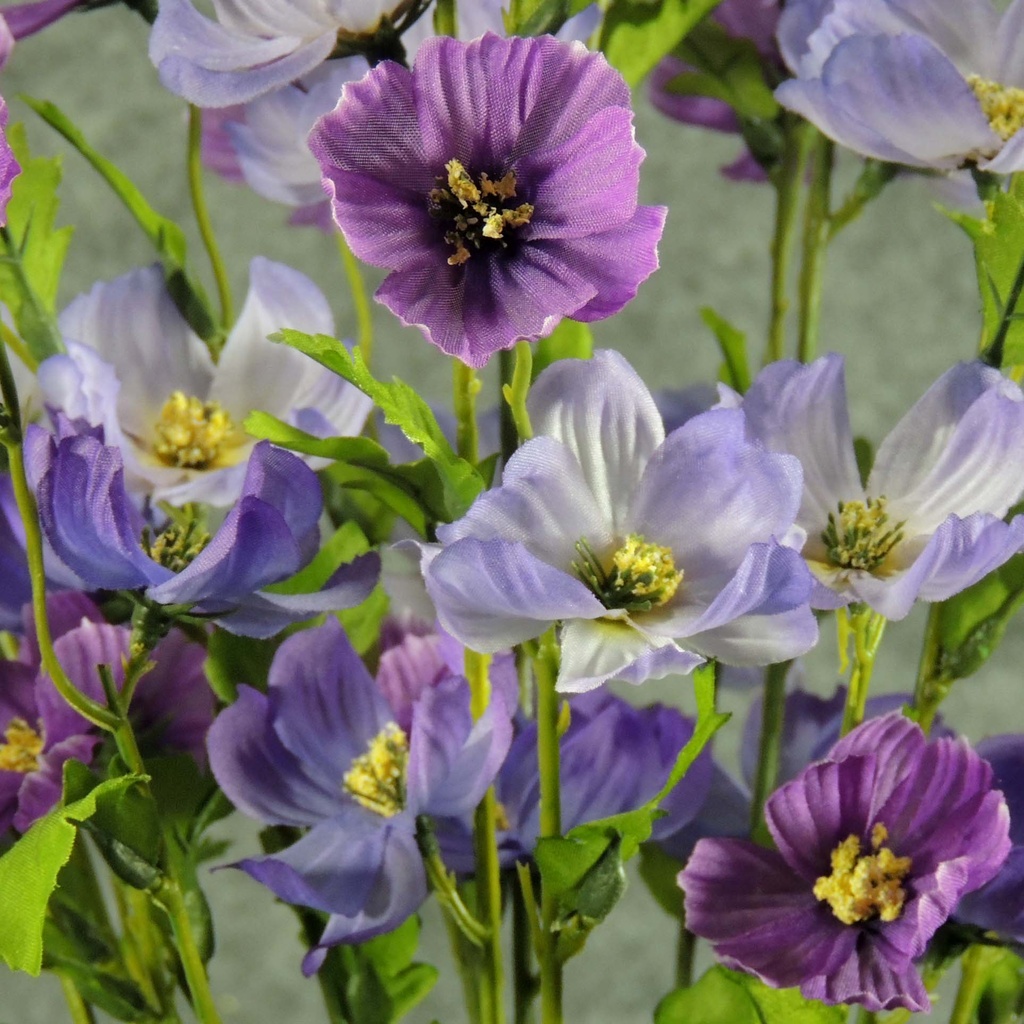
(900,303)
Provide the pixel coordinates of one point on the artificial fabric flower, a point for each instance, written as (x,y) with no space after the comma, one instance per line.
(651,552)
(253,47)
(134,367)
(322,749)
(929,520)
(492,181)
(17,585)
(267,536)
(9,166)
(20,20)
(876,845)
(927,83)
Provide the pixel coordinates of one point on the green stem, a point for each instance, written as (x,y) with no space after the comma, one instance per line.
(546,667)
(772,719)
(488,869)
(686,948)
(443,883)
(465,388)
(866,628)
(993,354)
(507,429)
(931,687)
(815,244)
(787,182)
(169,895)
(77,1007)
(516,390)
(975,968)
(446,18)
(142,946)
(360,299)
(525,980)
(202,214)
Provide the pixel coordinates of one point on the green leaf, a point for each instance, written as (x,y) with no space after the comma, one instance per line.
(569,340)
(636,34)
(32,252)
(536,17)
(404,408)
(231,660)
(729,69)
(722,996)
(658,871)
(167,238)
(733,342)
(28,874)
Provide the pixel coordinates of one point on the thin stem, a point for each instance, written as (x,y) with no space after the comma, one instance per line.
(443,883)
(930,688)
(446,18)
(465,388)
(78,1009)
(975,968)
(360,299)
(141,946)
(546,668)
(815,244)
(686,948)
(507,428)
(515,392)
(787,191)
(202,213)
(525,980)
(866,628)
(993,355)
(772,719)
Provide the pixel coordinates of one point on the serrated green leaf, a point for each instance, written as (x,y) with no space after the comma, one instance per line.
(733,342)
(403,408)
(28,874)
(569,340)
(636,34)
(166,237)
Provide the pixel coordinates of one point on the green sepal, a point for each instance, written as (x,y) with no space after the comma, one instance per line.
(167,238)
(231,660)
(636,34)
(31,251)
(29,869)
(722,996)
(735,370)
(569,340)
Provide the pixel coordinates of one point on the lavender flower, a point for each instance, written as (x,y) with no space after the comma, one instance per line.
(631,540)
(928,84)
(267,536)
(252,47)
(876,845)
(9,166)
(322,749)
(928,522)
(492,180)
(135,368)
(17,585)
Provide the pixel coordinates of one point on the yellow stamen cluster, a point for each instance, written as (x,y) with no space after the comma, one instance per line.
(1003,105)
(477,210)
(377,778)
(861,537)
(191,433)
(861,888)
(640,576)
(176,546)
(21,751)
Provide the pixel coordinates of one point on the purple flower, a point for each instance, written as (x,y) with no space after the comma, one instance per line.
(9,166)
(927,83)
(998,906)
(631,540)
(322,749)
(17,586)
(876,845)
(493,204)
(929,520)
(135,368)
(20,20)
(269,535)
(254,47)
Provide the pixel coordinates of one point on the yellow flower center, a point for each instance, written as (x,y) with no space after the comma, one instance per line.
(191,433)
(863,887)
(479,210)
(639,577)
(861,537)
(21,751)
(176,546)
(1003,105)
(377,778)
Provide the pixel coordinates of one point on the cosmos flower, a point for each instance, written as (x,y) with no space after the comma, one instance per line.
(929,520)
(135,368)
(651,552)
(491,180)
(268,536)
(927,83)
(322,750)
(876,844)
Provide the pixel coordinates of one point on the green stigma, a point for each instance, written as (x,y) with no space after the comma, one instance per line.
(640,576)
(861,536)
(479,211)
(377,778)
(1003,105)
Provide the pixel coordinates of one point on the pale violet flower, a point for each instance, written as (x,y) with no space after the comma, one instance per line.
(927,83)
(135,368)
(929,520)
(652,552)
